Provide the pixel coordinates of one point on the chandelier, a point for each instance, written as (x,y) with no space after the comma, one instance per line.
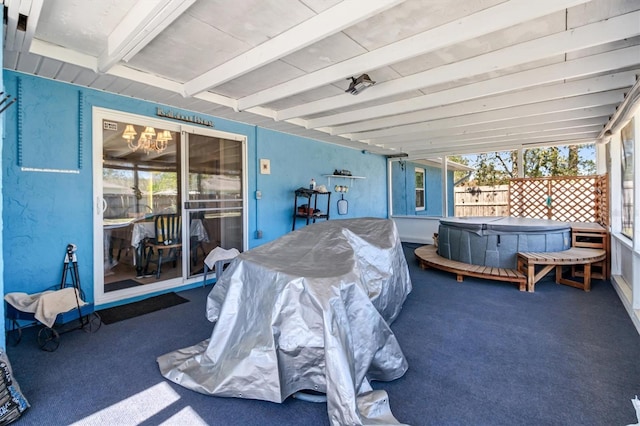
(148,141)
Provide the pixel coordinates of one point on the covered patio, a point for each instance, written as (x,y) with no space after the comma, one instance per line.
(231,106)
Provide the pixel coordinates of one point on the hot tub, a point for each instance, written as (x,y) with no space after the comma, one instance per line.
(495,241)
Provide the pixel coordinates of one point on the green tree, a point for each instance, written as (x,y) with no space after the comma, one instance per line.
(496,168)
(459,174)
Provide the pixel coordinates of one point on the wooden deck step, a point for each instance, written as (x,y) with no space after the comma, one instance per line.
(429,258)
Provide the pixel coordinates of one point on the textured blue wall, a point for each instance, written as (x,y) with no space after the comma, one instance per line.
(404,189)
(44,211)
(294,161)
(2,339)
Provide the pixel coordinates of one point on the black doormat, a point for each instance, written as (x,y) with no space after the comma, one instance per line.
(131,310)
(120,285)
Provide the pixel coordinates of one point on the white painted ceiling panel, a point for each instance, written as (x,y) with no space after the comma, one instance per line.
(69,73)
(49,68)
(119,85)
(260,79)
(606,47)
(29,63)
(182,59)
(103,82)
(85,78)
(71,35)
(497,40)
(305,97)
(320,5)
(329,51)
(252,21)
(410,18)
(68,23)
(598,10)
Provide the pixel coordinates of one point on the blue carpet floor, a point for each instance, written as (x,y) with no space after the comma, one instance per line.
(479,353)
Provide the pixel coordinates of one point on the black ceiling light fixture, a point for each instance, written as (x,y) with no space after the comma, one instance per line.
(358,84)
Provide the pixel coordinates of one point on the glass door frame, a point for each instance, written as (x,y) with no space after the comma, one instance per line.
(187,130)
(98,115)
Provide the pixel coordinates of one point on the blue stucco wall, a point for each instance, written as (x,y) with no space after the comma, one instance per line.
(404,189)
(2,315)
(44,211)
(294,161)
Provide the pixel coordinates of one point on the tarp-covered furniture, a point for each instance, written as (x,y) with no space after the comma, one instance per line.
(309,311)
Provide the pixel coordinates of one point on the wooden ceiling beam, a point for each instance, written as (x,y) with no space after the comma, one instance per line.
(472,123)
(462,149)
(577,68)
(145,20)
(325,24)
(446,135)
(617,28)
(469,27)
(531,96)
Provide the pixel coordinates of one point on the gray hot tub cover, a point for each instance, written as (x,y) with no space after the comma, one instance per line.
(308,311)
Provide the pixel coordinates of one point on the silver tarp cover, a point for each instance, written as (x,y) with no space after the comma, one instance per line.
(308,311)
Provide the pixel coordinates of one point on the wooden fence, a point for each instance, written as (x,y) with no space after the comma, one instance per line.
(481,200)
(564,198)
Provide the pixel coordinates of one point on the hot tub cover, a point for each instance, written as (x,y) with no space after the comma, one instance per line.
(491,225)
(308,311)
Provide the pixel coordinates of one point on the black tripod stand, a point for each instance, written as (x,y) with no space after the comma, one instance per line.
(71,265)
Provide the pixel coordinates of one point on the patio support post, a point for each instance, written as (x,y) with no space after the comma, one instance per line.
(445,188)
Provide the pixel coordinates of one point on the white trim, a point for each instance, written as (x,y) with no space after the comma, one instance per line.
(390,186)
(635,270)
(445,187)
(99,114)
(37,169)
(624,291)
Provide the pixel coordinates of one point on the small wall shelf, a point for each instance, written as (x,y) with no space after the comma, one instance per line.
(353,178)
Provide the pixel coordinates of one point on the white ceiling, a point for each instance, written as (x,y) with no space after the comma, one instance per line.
(452,77)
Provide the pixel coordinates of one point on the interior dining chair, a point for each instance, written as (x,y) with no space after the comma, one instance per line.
(167,244)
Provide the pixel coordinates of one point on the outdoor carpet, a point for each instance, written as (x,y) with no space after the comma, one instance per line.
(131,310)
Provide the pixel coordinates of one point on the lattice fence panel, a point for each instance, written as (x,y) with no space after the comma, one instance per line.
(572,199)
(569,199)
(527,198)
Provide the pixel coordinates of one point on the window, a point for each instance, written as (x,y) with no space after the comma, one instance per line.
(420,193)
(627,139)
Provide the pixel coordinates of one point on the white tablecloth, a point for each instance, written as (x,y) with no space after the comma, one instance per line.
(142,230)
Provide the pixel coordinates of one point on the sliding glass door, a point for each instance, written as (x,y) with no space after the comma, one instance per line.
(215,188)
(152,178)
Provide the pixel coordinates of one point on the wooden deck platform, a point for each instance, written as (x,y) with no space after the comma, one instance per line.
(429,258)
